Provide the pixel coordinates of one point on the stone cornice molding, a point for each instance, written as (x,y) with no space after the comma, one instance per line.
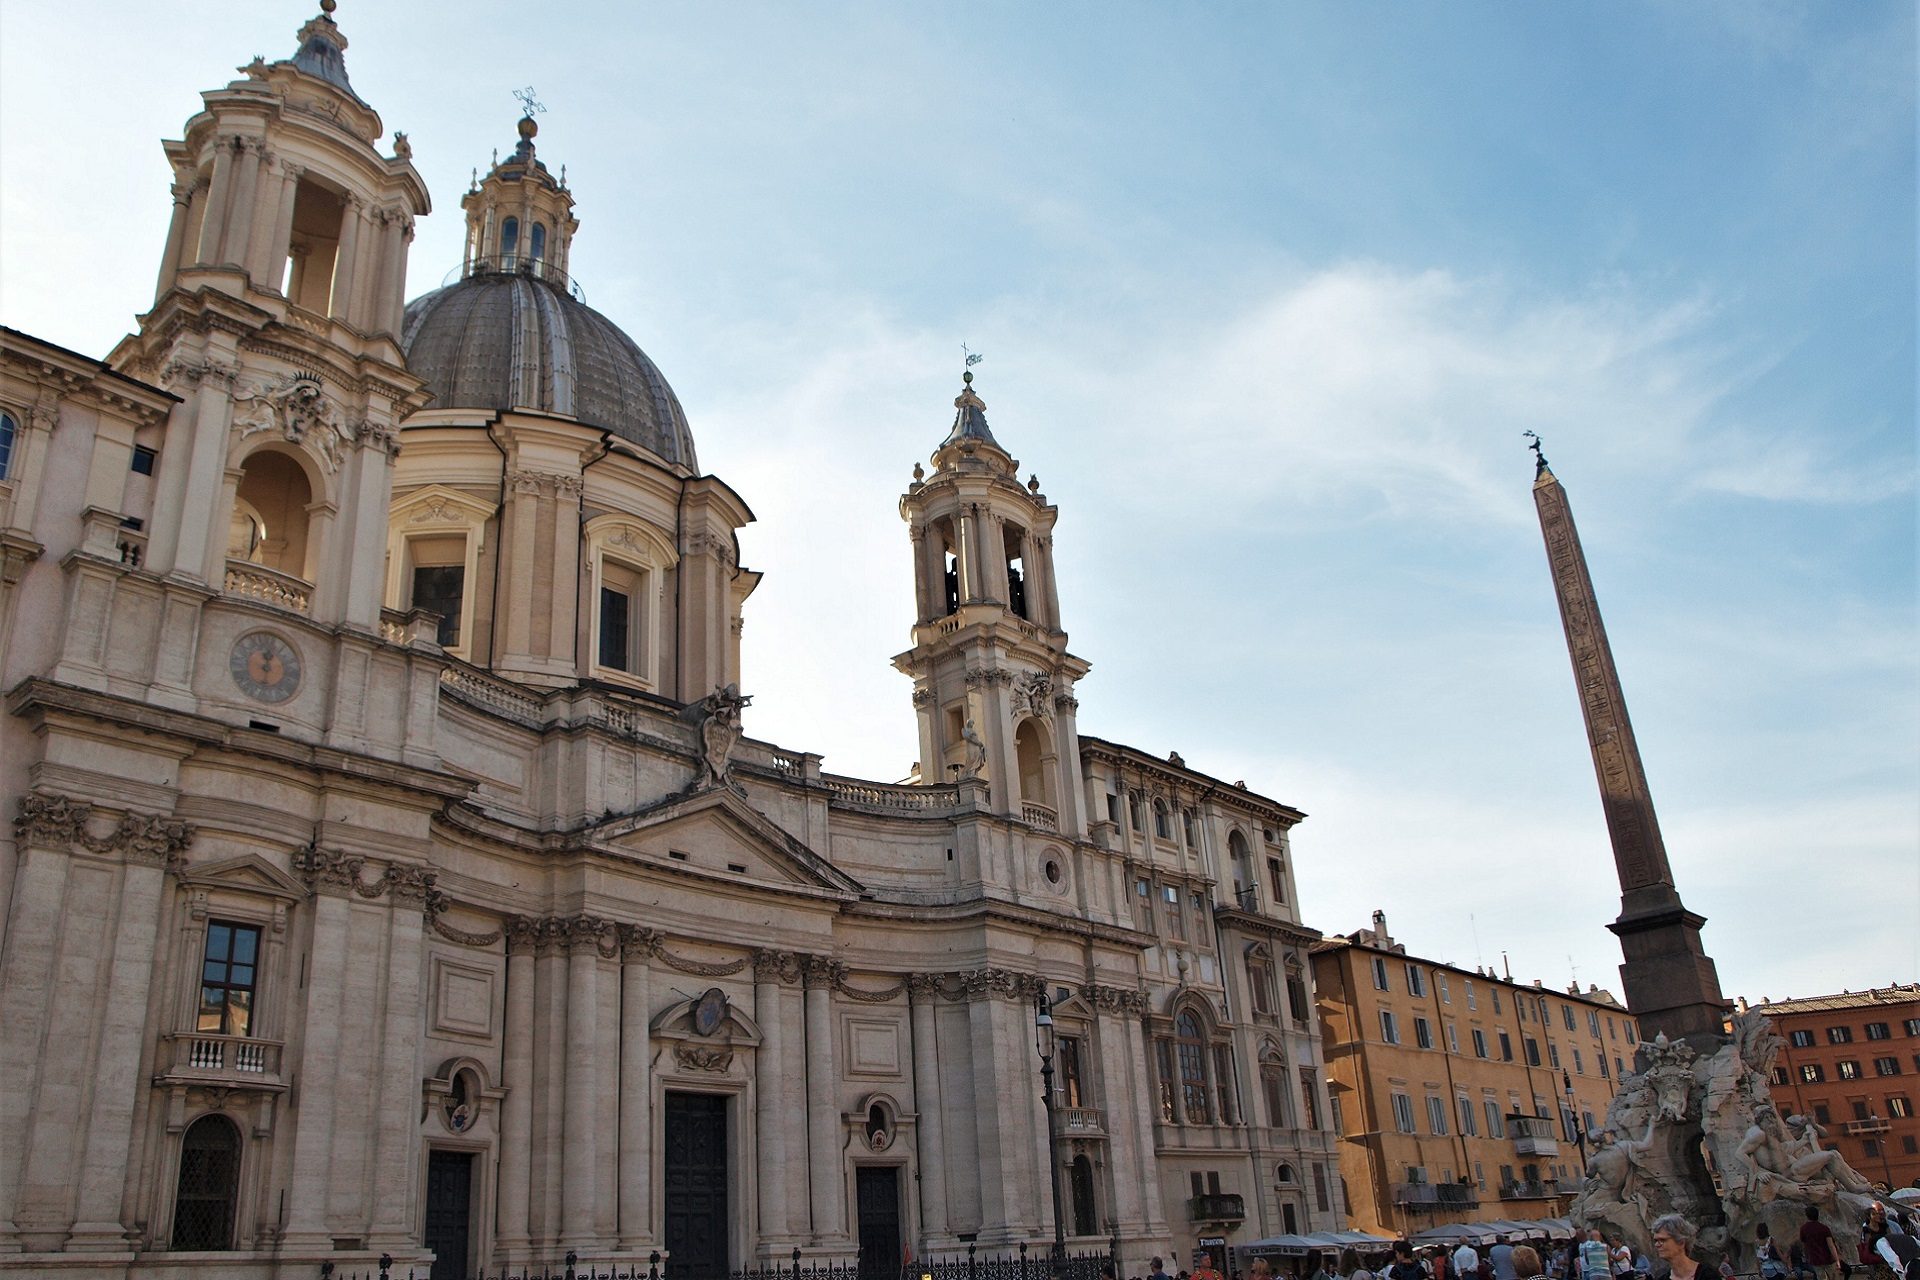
(337,874)
(57,821)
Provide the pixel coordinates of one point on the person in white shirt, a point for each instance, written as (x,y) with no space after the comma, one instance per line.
(1466,1263)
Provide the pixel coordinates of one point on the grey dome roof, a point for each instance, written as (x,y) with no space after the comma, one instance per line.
(516,341)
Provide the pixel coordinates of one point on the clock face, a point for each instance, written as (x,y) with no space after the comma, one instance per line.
(265,667)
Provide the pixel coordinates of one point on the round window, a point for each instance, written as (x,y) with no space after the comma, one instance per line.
(1052,870)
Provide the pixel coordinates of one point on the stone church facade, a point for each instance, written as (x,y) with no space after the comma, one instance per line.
(387,871)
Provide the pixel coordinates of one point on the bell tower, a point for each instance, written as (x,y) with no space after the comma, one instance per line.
(276,320)
(992,678)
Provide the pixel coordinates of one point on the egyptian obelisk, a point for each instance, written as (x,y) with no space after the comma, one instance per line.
(1669,980)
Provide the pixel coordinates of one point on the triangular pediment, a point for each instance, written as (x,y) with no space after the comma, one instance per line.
(247,873)
(716,832)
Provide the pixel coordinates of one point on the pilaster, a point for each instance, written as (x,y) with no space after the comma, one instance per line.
(636,1089)
(825,1162)
(516,1111)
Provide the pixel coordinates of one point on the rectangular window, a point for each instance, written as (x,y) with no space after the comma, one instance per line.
(1898,1107)
(228,974)
(1847,1069)
(1495,992)
(1472,1000)
(1333,1113)
(616,629)
(1436,1116)
(1113,808)
(1163,1059)
(1389,1027)
(1802,1039)
(1423,1033)
(1297,998)
(1600,1064)
(1309,1099)
(1453,1038)
(1260,983)
(1479,1043)
(1402,1113)
(1072,1089)
(441,589)
(1320,1196)
(1479,1175)
(1912,1026)
(1469,1122)
(1566,1016)
(1496,1123)
(1197,904)
(1886,1066)
(1143,904)
(1533,1050)
(1579,1064)
(1878,1031)
(1593,1023)
(1223,1084)
(1812,1073)
(1821,1115)
(1379,974)
(143,459)
(1416,980)
(1506,1047)
(1275,1088)
(1440,985)
(1553,1055)
(1277,879)
(1839,1035)
(1170,907)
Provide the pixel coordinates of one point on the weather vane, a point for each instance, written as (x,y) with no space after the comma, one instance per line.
(1539,458)
(973,357)
(529,102)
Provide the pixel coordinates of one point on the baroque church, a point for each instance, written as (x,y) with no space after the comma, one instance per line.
(386,870)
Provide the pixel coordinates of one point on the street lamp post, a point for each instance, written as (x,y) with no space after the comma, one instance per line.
(1573,1119)
(1880,1139)
(1043,1041)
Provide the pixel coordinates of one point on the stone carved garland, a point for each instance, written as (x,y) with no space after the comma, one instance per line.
(58,821)
(1684,1109)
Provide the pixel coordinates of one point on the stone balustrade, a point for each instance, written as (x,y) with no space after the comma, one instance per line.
(250,581)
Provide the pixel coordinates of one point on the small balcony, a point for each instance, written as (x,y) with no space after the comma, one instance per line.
(1039,816)
(1528,1189)
(1872,1126)
(237,1062)
(1217,1208)
(1436,1195)
(1533,1135)
(1081,1122)
(251,581)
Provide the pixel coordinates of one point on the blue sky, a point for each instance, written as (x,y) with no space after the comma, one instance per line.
(1267,294)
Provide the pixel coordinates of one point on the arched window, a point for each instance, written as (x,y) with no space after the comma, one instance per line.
(1160,827)
(209,1184)
(269,526)
(509,241)
(1031,755)
(1190,1046)
(8,430)
(1080,1177)
(537,242)
(1243,893)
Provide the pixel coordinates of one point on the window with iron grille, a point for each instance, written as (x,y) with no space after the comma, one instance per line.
(208,1186)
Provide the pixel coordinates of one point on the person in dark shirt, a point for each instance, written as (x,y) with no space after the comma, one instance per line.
(1404,1267)
(1816,1242)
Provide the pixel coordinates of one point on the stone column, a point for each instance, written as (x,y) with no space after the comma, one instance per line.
(332,877)
(176,236)
(926,581)
(769,1067)
(279,243)
(240,219)
(582,1135)
(516,1111)
(636,1088)
(826,1167)
(219,197)
(397,1136)
(149,845)
(346,260)
(926,1100)
(967,555)
(393,276)
(1044,556)
(992,1132)
(993,556)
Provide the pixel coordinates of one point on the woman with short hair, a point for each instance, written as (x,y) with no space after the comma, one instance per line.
(1673,1239)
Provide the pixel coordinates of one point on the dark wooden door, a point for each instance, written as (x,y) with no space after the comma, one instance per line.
(449,1212)
(877,1203)
(696,1185)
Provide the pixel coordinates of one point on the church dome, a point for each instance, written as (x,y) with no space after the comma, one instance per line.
(515,339)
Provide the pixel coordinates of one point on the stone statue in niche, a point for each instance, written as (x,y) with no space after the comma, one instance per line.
(1699,1135)
(719,732)
(976,751)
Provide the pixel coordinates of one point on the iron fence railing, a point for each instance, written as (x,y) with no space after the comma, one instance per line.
(1024,1262)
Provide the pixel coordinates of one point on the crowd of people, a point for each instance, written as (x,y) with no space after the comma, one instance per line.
(1889,1250)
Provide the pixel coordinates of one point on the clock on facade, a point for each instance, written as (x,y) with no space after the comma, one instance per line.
(265,667)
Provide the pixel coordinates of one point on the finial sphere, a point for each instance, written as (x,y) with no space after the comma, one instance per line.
(328,6)
(528,126)
(967,377)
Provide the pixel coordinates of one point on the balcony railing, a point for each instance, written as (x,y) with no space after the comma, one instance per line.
(1533,1135)
(1528,1189)
(1453,1195)
(252,581)
(240,1061)
(1217,1208)
(1082,1121)
(1039,816)
(1867,1128)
